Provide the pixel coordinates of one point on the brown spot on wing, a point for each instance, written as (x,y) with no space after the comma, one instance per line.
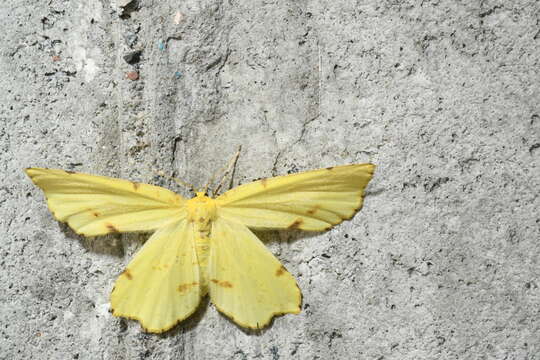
(296,224)
(329,168)
(313,210)
(136,185)
(281,271)
(127,274)
(222,283)
(183,288)
(226,284)
(95,214)
(111,228)
(69,172)
(264,182)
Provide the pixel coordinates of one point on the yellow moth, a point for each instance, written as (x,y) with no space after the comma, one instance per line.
(204,245)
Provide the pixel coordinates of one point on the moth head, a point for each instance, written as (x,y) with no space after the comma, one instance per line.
(201,208)
(200,194)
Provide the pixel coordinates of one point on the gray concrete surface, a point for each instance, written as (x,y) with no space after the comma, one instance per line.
(442,262)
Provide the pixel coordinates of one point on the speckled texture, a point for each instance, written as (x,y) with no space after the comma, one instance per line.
(441,263)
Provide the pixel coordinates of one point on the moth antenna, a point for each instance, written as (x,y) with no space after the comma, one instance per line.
(176,180)
(212,178)
(232,165)
(224,169)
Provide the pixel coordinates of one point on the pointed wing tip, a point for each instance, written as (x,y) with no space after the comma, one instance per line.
(369,167)
(131,317)
(266,322)
(295,312)
(32,172)
(148,329)
(29,171)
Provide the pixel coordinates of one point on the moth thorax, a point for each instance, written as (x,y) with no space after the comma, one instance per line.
(201,210)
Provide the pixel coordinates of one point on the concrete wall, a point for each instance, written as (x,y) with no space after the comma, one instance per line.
(442,262)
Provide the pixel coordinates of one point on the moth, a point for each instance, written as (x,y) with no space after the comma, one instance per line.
(204,245)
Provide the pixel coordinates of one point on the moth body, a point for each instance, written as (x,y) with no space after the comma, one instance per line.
(201,211)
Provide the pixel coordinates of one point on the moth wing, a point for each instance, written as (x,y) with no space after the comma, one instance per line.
(313,200)
(96,205)
(160,286)
(246,282)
